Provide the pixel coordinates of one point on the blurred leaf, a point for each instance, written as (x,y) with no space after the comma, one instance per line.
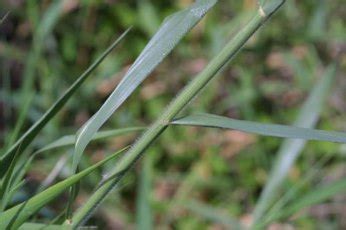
(4,17)
(54,173)
(29,136)
(41,31)
(34,204)
(69,140)
(36,226)
(143,211)
(212,214)
(23,110)
(291,148)
(314,196)
(317,25)
(149,19)
(292,193)
(6,183)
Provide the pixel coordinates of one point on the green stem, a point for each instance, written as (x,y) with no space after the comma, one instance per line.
(185,96)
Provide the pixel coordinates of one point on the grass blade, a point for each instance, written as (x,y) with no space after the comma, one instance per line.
(69,140)
(38,201)
(6,184)
(291,148)
(210,120)
(42,29)
(166,38)
(28,136)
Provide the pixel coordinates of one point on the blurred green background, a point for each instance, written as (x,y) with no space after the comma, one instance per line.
(43,48)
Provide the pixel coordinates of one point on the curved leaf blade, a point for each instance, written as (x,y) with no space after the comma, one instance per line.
(166,38)
(69,140)
(210,120)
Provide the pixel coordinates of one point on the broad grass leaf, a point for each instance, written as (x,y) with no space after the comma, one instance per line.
(172,30)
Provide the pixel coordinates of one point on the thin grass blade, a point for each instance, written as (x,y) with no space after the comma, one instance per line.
(37,226)
(29,136)
(69,140)
(285,131)
(38,201)
(6,184)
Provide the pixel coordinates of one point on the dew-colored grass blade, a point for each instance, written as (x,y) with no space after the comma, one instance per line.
(172,30)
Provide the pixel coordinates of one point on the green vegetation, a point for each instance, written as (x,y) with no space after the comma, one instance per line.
(209,129)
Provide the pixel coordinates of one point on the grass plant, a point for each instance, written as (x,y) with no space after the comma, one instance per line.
(17,155)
